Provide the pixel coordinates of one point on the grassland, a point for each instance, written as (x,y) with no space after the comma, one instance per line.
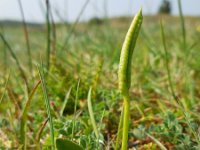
(90,59)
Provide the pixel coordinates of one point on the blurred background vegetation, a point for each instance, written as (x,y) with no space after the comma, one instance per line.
(81,54)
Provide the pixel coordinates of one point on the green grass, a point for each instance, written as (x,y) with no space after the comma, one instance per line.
(91,59)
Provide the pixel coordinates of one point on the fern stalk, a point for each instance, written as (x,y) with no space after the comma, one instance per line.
(124,73)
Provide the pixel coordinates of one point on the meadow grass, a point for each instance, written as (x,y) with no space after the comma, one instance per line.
(47,102)
(91,59)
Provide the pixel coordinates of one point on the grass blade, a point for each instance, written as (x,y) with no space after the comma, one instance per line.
(195,134)
(65,102)
(39,133)
(47,102)
(26,35)
(92,114)
(182,24)
(62,144)
(5,87)
(16,60)
(48,24)
(160,145)
(75,106)
(167,61)
(54,39)
(5,59)
(23,120)
(74,25)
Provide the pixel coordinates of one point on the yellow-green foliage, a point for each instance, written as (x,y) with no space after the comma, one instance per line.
(127,51)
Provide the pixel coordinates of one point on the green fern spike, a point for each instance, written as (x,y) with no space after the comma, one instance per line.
(127,51)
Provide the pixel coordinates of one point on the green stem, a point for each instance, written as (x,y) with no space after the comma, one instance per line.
(48,24)
(125,121)
(74,25)
(119,132)
(26,35)
(47,102)
(182,24)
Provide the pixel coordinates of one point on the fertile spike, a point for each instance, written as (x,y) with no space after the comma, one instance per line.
(124,73)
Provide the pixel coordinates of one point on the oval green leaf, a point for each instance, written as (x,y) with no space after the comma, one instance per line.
(62,144)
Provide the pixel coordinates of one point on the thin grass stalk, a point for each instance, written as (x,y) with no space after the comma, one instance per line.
(65,102)
(66,4)
(61,18)
(91,113)
(184,46)
(5,61)
(124,72)
(160,145)
(74,25)
(167,66)
(182,24)
(47,102)
(26,35)
(16,60)
(105,7)
(15,101)
(167,62)
(75,107)
(23,121)
(42,8)
(11,119)
(39,134)
(5,58)
(172,89)
(5,87)
(54,39)
(48,25)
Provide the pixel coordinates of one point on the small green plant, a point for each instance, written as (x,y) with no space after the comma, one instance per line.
(92,114)
(48,24)
(173,132)
(66,144)
(164,113)
(47,102)
(23,121)
(182,25)
(177,100)
(124,73)
(14,56)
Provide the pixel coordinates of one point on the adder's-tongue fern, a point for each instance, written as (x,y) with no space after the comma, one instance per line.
(124,73)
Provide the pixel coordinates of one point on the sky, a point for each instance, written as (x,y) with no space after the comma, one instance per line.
(69,9)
